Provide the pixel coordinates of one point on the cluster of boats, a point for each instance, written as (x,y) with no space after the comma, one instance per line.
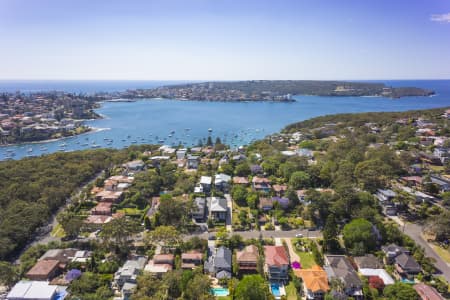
(173,138)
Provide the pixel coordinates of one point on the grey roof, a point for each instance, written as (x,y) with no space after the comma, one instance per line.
(222,178)
(387,193)
(393,248)
(368,262)
(32,290)
(407,262)
(218,204)
(340,267)
(199,205)
(223,258)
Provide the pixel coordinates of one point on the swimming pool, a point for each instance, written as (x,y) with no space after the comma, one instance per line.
(220,291)
(60,295)
(275,288)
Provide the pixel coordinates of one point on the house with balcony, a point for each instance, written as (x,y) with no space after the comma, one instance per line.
(339,267)
(219,263)
(190,260)
(247,259)
(315,282)
(217,209)
(276,263)
(222,182)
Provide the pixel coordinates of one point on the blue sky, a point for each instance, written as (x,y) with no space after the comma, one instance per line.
(224,39)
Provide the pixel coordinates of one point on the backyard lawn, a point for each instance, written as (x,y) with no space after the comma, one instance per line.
(291,292)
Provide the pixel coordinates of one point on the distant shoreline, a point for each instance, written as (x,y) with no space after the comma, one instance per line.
(90,131)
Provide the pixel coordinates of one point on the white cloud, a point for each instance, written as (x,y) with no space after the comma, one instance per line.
(441,18)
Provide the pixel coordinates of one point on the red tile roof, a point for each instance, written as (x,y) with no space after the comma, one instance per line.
(276,255)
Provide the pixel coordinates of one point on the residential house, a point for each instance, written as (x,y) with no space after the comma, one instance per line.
(339,267)
(222,182)
(256,169)
(193,162)
(303,152)
(370,266)
(224,160)
(33,290)
(368,261)
(199,209)
(412,181)
(133,166)
(276,263)
(429,158)
(240,180)
(160,264)
(181,153)
(247,259)
(280,189)
(442,183)
(239,158)
(66,256)
(385,198)
(427,292)
(265,204)
(44,270)
(217,208)
(261,184)
(191,260)
(205,183)
(125,277)
(315,282)
(219,264)
(102,208)
(442,153)
(405,265)
(283,202)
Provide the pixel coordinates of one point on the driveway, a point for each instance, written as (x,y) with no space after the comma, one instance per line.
(229,219)
(292,254)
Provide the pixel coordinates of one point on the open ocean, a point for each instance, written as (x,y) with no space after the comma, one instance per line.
(236,123)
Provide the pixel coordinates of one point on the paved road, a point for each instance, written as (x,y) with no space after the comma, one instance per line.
(229,219)
(255,234)
(293,256)
(415,232)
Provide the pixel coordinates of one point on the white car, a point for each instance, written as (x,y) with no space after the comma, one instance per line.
(299,235)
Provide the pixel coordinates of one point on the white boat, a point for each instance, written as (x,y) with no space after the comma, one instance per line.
(210,129)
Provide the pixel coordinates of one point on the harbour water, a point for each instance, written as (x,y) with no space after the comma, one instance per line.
(174,122)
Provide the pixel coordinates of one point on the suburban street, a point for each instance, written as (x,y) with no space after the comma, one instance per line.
(414,231)
(254,234)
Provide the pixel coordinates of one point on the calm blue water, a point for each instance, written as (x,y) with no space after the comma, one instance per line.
(79,86)
(149,121)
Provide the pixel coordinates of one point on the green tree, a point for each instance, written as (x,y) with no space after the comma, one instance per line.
(117,234)
(359,236)
(172,212)
(400,291)
(166,235)
(70,222)
(242,169)
(239,194)
(8,274)
(330,235)
(199,288)
(252,287)
(300,180)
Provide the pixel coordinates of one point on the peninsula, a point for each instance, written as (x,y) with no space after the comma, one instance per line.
(272,90)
